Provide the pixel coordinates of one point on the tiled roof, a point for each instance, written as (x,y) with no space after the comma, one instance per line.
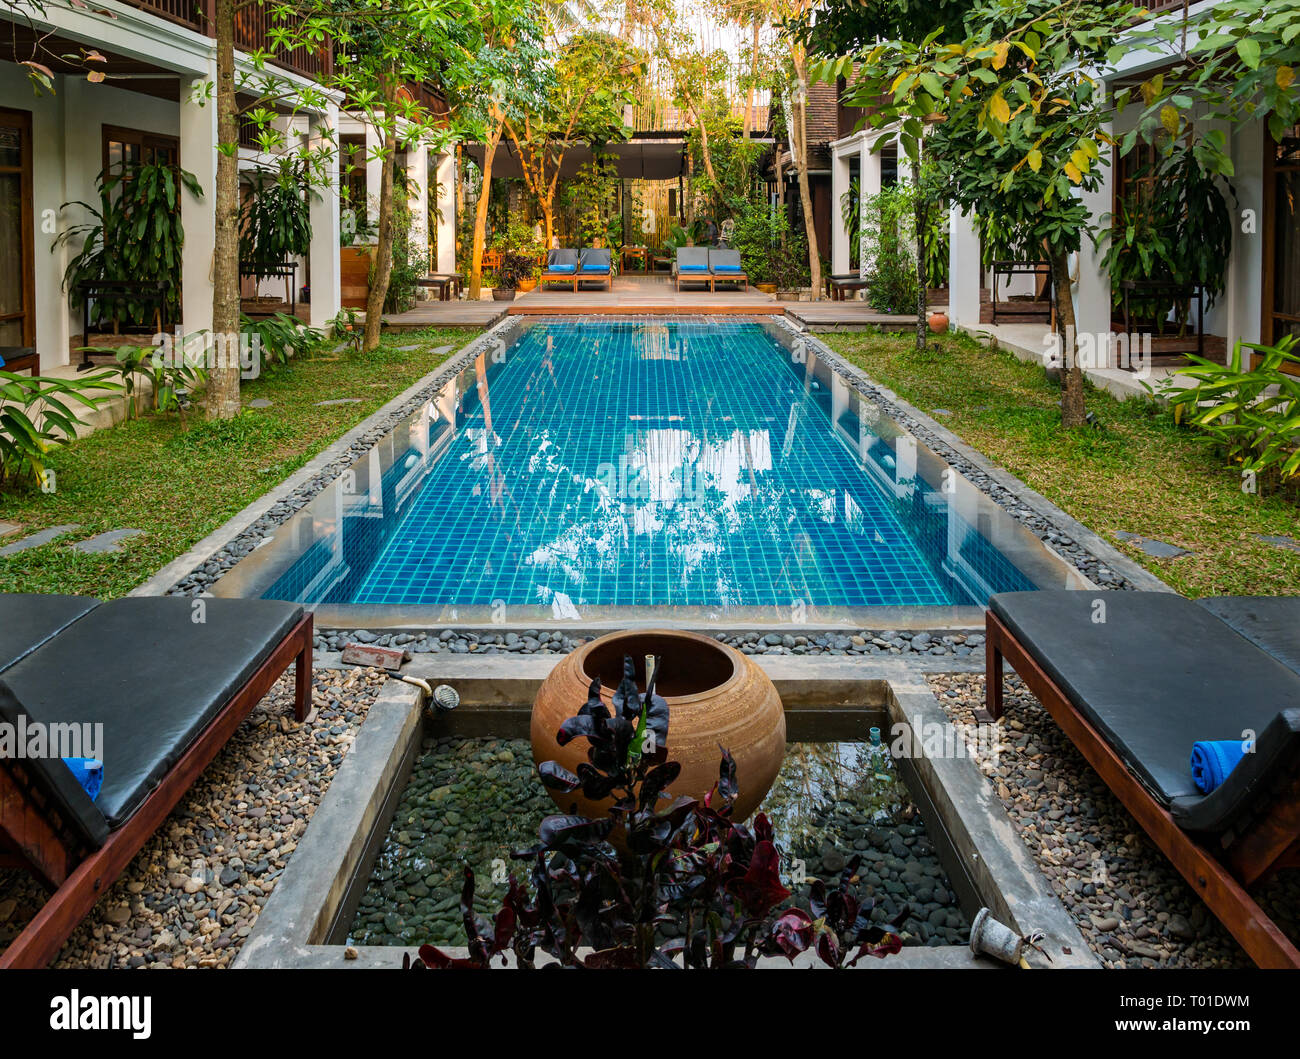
(823,114)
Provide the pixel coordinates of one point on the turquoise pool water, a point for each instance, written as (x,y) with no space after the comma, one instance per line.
(624,463)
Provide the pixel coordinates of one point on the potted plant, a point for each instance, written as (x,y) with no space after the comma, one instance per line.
(589,901)
(789,270)
(514,268)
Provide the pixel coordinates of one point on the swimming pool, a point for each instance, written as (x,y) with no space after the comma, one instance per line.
(594,468)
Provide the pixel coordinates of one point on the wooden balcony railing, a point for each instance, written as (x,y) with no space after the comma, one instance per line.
(1159,7)
(252,25)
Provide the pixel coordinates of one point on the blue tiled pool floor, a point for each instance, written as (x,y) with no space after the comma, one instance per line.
(608,463)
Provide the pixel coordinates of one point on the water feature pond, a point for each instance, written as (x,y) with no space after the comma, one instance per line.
(472,801)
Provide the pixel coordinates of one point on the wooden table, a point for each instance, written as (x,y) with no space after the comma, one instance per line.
(635,253)
(447,284)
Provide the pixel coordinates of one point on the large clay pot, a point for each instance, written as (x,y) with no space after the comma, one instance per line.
(716,695)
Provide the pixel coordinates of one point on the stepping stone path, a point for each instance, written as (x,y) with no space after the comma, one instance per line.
(340,400)
(103,543)
(7,528)
(443,349)
(406,349)
(1154,548)
(940,412)
(260,402)
(1289,543)
(37,539)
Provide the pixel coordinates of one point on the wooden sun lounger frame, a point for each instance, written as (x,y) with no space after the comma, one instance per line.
(1220,878)
(728,277)
(30,835)
(570,278)
(695,276)
(17,361)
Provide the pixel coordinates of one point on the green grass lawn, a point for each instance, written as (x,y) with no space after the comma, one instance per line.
(1140,473)
(178,485)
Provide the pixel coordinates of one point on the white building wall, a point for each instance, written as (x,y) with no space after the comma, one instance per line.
(67,156)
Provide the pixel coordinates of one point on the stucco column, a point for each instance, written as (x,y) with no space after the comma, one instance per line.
(963,270)
(446,177)
(840,247)
(1092,287)
(417,182)
(375,160)
(198,150)
(869,183)
(326,281)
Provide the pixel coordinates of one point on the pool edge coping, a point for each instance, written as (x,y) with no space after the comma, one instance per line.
(309,894)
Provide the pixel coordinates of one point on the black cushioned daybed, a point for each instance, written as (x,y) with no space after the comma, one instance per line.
(169,682)
(1134,684)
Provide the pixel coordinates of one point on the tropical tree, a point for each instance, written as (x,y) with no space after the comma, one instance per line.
(1237,61)
(841,26)
(498,71)
(1019,125)
(595,76)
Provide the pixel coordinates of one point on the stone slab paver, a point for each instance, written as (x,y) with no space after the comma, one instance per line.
(1154,548)
(1290,543)
(102,543)
(37,539)
(260,402)
(7,528)
(339,400)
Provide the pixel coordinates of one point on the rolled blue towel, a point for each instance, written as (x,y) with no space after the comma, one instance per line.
(89,772)
(1213,759)
(693,268)
(562,268)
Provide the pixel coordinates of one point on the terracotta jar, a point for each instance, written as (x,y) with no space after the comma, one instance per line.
(938,322)
(715,694)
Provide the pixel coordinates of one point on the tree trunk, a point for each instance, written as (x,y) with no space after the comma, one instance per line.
(480,216)
(800,109)
(921,214)
(222,398)
(378,293)
(1072,406)
(548,218)
(705,156)
(749,92)
(458,205)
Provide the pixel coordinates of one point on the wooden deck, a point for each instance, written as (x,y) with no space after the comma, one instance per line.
(850,316)
(639,294)
(642,295)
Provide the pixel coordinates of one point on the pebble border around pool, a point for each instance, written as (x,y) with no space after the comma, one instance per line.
(209,560)
(958,644)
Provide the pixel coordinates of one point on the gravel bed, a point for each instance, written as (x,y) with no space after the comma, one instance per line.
(883,642)
(1130,904)
(193,893)
(215,567)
